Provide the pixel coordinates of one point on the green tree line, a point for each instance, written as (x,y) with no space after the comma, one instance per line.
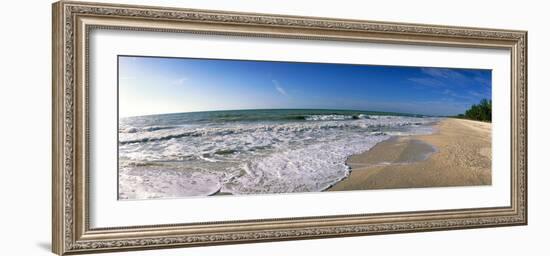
(479,112)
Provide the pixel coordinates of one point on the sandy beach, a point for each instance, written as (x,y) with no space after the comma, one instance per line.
(458,153)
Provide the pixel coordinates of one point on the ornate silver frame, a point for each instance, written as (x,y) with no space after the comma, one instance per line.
(72,22)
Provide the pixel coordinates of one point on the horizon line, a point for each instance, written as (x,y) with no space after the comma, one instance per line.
(245,109)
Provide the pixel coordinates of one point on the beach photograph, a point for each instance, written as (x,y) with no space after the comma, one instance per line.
(192,127)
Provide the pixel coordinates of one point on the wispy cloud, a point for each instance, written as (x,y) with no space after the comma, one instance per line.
(444,73)
(279,88)
(430,82)
(445,81)
(477,94)
(180,81)
(439,77)
(483,81)
(455,95)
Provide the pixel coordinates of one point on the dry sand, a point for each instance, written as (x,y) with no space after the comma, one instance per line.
(457,154)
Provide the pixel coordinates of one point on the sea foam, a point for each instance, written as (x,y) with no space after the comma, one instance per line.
(181,159)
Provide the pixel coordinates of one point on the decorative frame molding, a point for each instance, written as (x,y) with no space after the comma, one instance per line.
(72,22)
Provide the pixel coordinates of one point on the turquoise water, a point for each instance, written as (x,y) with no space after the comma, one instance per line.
(252,115)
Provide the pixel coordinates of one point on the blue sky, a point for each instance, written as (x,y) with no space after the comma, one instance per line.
(153,85)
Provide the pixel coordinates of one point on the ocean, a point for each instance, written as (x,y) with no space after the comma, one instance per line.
(249,151)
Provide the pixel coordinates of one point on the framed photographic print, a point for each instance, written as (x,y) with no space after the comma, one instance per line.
(179,127)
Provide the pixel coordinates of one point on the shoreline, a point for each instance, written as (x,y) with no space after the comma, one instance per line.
(458,153)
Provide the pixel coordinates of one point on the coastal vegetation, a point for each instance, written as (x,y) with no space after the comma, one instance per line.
(478,112)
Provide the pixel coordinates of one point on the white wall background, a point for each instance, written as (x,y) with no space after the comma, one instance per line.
(25,150)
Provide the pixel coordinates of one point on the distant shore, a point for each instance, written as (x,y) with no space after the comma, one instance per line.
(458,153)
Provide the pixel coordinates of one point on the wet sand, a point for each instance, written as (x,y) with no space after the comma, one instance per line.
(458,153)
